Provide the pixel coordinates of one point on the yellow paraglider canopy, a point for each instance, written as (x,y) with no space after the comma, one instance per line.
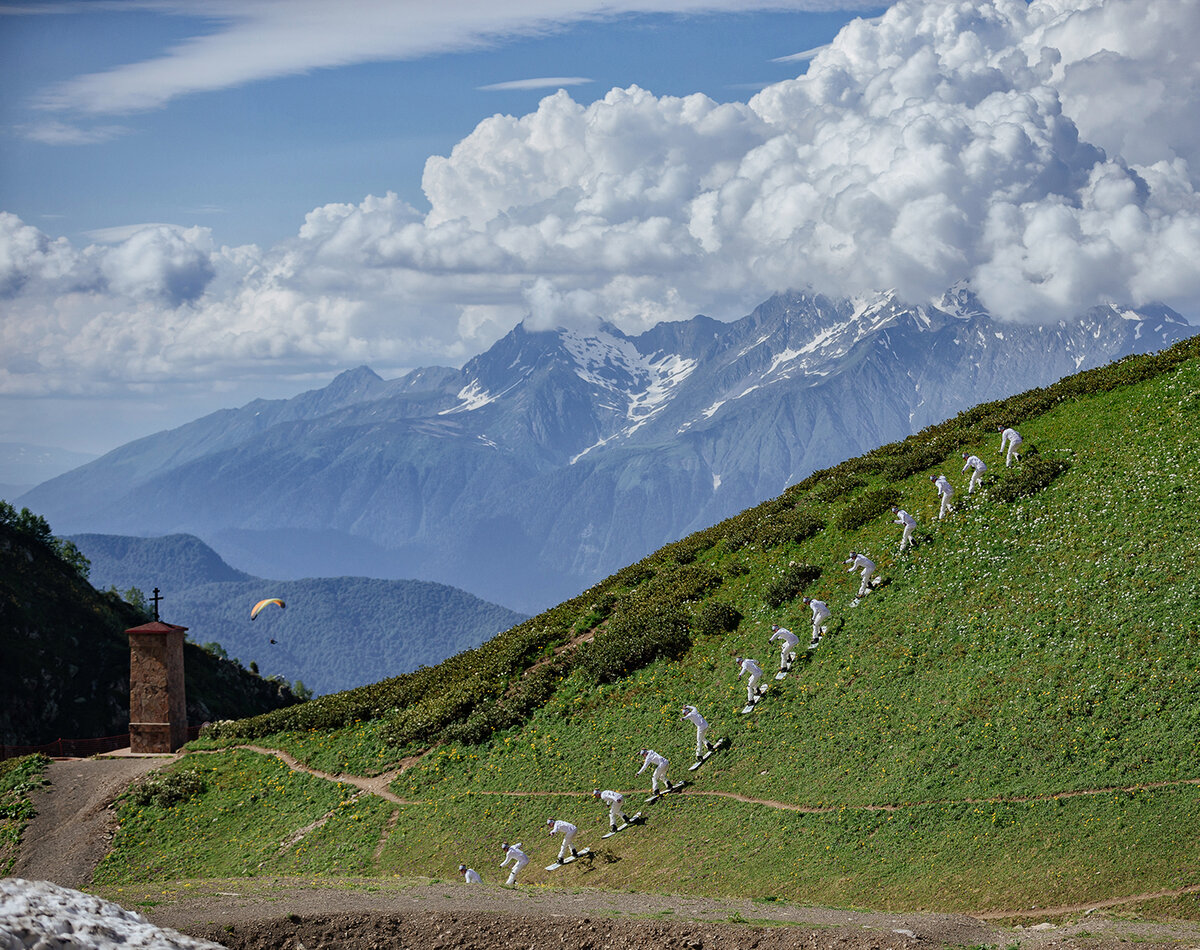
(263,603)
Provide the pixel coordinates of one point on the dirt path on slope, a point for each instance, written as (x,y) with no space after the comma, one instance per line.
(75,823)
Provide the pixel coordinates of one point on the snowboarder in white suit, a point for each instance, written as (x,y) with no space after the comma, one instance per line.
(568,831)
(820,613)
(660,770)
(692,714)
(945,491)
(513,852)
(860,562)
(979,466)
(1012,438)
(909,522)
(787,651)
(755,671)
(470,874)
(614,800)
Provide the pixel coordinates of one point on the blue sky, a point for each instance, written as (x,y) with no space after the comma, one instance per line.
(196,211)
(250,161)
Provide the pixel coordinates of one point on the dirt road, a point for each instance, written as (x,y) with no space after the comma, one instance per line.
(74,824)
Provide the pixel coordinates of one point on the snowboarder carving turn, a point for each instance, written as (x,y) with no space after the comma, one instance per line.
(470,874)
(945,491)
(909,522)
(568,832)
(692,714)
(755,674)
(615,802)
(513,852)
(787,653)
(1012,438)
(650,757)
(820,614)
(978,467)
(860,562)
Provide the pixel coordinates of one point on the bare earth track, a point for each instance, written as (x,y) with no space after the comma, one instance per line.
(75,825)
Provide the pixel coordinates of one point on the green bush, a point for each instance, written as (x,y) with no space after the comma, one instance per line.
(717,617)
(792,525)
(867,506)
(795,578)
(632,640)
(837,484)
(1031,476)
(171,788)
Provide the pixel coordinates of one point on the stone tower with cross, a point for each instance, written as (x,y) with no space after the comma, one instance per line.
(157,701)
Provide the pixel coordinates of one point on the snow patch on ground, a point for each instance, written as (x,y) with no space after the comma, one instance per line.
(41,914)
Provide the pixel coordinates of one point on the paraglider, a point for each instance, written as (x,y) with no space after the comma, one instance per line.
(263,603)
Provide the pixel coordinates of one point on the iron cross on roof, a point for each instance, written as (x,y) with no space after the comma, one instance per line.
(156,598)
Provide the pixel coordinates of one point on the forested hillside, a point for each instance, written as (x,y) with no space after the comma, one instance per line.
(335,632)
(66,656)
(1008,719)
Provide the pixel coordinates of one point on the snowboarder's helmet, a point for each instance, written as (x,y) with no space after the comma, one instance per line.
(462,867)
(774,626)
(595,793)
(964,454)
(504,845)
(807,600)
(643,752)
(550,821)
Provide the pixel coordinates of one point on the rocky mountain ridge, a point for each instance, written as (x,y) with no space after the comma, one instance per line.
(557,456)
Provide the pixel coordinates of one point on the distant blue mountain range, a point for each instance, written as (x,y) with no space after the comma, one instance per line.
(559,456)
(334,633)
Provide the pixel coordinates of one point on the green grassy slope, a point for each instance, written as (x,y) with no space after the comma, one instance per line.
(1031,646)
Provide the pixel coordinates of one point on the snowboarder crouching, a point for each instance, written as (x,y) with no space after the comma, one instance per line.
(614,800)
(945,491)
(788,650)
(692,714)
(568,831)
(978,467)
(1012,438)
(820,614)
(660,770)
(909,522)
(860,562)
(470,874)
(513,852)
(755,671)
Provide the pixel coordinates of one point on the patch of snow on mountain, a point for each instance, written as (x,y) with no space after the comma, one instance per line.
(472,396)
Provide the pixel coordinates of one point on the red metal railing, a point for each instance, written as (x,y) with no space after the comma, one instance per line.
(77,748)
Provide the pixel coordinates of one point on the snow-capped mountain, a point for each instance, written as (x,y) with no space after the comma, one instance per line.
(559,456)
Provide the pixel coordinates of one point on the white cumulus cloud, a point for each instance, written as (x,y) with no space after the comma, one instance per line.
(990,141)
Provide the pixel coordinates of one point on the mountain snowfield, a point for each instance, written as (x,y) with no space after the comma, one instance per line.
(558,456)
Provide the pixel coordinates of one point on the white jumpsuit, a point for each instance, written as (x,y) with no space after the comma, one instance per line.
(820,613)
(787,652)
(979,466)
(867,566)
(660,770)
(615,800)
(1011,438)
(755,671)
(519,858)
(946,492)
(472,876)
(692,714)
(568,831)
(909,522)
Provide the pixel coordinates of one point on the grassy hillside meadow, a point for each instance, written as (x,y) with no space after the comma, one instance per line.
(1010,720)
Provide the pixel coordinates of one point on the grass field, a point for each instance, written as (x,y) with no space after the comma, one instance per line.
(1023,650)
